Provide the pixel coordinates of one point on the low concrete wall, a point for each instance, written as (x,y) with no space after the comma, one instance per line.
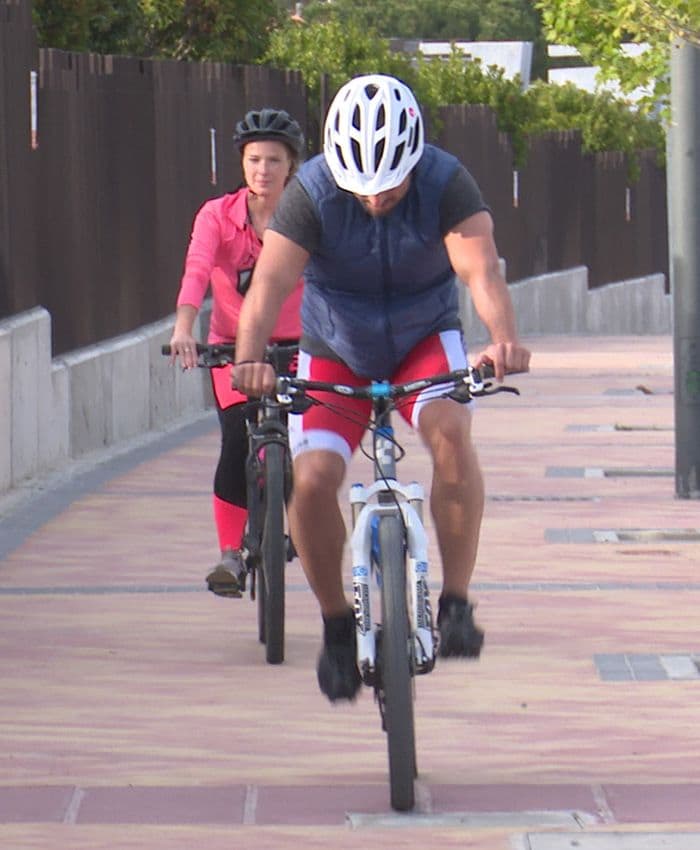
(561,303)
(58,411)
(88,400)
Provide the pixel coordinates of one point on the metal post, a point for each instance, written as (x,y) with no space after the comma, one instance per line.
(684,260)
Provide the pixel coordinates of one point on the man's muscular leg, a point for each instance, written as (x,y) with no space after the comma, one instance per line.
(457,504)
(317,526)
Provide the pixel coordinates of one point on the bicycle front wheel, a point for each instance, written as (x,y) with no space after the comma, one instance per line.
(274,554)
(396,665)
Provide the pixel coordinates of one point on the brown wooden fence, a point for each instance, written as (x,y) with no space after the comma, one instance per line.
(564,208)
(94,219)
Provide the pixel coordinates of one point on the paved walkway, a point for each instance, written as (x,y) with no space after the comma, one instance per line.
(136,710)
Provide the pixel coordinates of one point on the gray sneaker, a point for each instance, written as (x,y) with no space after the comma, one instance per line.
(229,575)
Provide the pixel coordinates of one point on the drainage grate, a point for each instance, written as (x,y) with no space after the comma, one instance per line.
(507,498)
(622,535)
(607,429)
(609,472)
(636,472)
(619,427)
(647,667)
(648,535)
(613,841)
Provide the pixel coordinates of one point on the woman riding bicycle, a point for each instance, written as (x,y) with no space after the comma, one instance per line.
(225,243)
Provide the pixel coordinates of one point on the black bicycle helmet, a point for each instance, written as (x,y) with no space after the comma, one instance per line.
(276,125)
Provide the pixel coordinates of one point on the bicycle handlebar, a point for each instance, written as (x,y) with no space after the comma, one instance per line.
(218,354)
(466,384)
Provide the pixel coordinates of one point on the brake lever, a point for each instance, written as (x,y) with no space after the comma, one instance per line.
(215,361)
(466,392)
(489,389)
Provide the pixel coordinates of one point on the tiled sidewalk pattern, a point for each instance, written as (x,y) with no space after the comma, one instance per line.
(136,710)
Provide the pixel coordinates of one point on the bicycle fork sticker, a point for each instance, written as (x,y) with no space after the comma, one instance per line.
(363,617)
(422,617)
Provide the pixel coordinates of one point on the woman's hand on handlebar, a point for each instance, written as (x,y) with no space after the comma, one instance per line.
(184,346)
(505,358)
(252,377)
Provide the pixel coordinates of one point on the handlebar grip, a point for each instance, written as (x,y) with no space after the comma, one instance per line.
(200,348)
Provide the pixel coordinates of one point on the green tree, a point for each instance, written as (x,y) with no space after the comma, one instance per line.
(448,20)
(221,30)
(82,25)
(605,122)
(597,28)
(440,20)
(337,49)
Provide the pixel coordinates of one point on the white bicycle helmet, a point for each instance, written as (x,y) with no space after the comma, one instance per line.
(373,135)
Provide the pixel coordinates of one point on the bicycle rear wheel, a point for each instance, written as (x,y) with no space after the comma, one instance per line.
(273,554)
(396,665)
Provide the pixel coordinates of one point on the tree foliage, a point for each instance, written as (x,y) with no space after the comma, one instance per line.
(605,122)
(448,20)
(82,25)
(598,28)
(221,30)
(339,50)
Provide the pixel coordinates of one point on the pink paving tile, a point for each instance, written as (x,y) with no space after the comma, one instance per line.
(512,798)
(318,804)
(673,803)
(163,805)
(34,805)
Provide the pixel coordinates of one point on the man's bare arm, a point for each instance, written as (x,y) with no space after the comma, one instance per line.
(472,251)
(277,270)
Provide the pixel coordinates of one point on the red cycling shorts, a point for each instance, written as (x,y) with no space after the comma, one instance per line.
(340,426)
(224,393)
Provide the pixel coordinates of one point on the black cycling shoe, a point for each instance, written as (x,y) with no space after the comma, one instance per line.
(460,637)
(229,575)
(338,676)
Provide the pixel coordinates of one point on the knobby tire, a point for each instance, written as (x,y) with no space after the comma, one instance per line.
(274,554)
(396,665)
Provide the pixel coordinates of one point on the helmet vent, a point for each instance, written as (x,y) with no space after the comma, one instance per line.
(356,118)
(398,153)
(415,141)
(356,153)
(378,153)
(381,118)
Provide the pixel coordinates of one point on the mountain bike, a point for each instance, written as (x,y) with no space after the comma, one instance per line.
(266,548)
(396,634)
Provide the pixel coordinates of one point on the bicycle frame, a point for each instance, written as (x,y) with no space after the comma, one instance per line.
(369,503)
(389,545)
(268,476)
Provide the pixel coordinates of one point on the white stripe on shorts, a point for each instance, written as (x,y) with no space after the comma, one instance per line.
(456,356)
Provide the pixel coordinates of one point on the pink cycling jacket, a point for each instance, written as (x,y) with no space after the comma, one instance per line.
(223,243)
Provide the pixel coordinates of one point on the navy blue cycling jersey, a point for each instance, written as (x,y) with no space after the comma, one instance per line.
(375,286)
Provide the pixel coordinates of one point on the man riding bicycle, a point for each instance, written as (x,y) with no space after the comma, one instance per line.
(379,224)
